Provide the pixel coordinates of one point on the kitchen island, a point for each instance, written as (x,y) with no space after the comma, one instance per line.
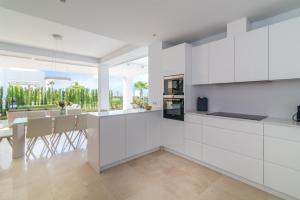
(118,136)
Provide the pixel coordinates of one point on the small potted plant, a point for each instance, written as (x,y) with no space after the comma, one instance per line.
(62,107)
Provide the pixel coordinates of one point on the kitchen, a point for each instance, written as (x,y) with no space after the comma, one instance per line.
(260,146)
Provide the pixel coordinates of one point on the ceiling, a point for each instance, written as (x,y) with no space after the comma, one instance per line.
(130,69)
(135,21)
(31,31)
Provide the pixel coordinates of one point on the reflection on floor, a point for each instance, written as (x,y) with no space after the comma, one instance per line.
(160,175)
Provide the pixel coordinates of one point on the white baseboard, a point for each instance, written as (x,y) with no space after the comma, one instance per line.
(246,181)
(105,167)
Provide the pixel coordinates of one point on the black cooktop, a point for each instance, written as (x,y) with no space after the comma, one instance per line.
(237,115)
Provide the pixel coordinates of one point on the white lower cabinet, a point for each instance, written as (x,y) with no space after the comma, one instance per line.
(235,146)
(135,134)
(153,129)
(193,149)
(246,167)
(173,135)
(112,139)
(282,159)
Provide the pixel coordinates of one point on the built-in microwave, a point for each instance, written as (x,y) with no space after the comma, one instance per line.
(173,107)
(173,85)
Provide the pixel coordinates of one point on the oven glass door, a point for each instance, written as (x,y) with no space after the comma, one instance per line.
(174,108)
(173,86)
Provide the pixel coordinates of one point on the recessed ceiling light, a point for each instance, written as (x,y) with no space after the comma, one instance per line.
(63,1)
(154,35)
(57,36)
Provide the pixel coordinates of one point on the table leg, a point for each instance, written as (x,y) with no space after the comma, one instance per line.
(18,141)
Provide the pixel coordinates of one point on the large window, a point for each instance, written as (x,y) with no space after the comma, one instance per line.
(128,84)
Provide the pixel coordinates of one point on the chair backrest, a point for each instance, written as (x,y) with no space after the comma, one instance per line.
(11,116)
(54,113)
(81,122)
(36,114)
(64,123)
(39,127)
(73,111)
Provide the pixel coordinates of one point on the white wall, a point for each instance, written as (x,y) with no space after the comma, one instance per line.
(275,99)
(103,87)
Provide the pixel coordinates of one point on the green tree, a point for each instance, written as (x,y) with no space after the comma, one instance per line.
(141,86)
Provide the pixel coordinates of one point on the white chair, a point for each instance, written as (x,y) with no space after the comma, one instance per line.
(6,133)
(38,128)
(36,114)
(81,127)
(11,116)
(54,113)
(64,125)
(73,111)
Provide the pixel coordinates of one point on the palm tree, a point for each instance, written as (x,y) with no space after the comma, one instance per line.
(141,86)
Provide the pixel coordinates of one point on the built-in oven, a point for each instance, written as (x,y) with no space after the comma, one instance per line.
(173,107)
(173,85)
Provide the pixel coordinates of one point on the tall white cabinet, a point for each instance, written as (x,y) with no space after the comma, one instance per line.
(284,49)
(174,59)
(251,56)
(200,64)
(221,61)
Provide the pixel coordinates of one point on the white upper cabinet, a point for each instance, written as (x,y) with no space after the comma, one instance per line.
(251,56)
(174,60)
(221,61)
(200,64)
(284,39)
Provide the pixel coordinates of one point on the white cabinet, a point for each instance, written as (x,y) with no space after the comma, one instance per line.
(174,59)
(112,139)
(251,56)
(249,168)
(284,49)
(282,159)
(235,146)
(173,135)
(200,64)
(221,61)
(153,124)
(135,134)
(193,137)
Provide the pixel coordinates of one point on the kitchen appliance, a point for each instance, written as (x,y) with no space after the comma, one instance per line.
(296,117)
(202,104)
(173,107)
(238,115)
(173,85)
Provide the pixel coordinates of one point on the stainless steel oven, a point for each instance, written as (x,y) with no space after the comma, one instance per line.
(173,85)
(173,106)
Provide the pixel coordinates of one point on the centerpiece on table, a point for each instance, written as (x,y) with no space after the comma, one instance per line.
(62,106)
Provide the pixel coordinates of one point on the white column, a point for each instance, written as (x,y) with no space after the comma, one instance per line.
(127,92)
(103,87)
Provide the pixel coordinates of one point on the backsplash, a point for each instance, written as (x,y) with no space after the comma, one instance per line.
(275,99)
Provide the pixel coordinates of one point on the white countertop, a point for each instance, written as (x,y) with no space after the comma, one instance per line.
(123,112)
(268,120)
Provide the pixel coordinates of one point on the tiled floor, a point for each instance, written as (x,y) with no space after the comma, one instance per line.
(159,175)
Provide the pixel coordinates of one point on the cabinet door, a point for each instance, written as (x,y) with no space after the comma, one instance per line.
(284,49)
(135,134)
(112,139)
(173,137)
(221,61)
(200,65)
(193,149)
(173,60)
(153,123)
(251,56)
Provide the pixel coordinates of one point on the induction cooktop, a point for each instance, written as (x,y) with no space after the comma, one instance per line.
(238,115)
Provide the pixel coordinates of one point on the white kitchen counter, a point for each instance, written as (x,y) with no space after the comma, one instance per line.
(122,112)
(268,120)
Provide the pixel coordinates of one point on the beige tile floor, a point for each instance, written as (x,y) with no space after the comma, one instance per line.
(158,176)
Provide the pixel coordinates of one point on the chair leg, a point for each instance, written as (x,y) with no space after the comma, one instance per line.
(30,148)
(69,140)
(47,145)
(10,141)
